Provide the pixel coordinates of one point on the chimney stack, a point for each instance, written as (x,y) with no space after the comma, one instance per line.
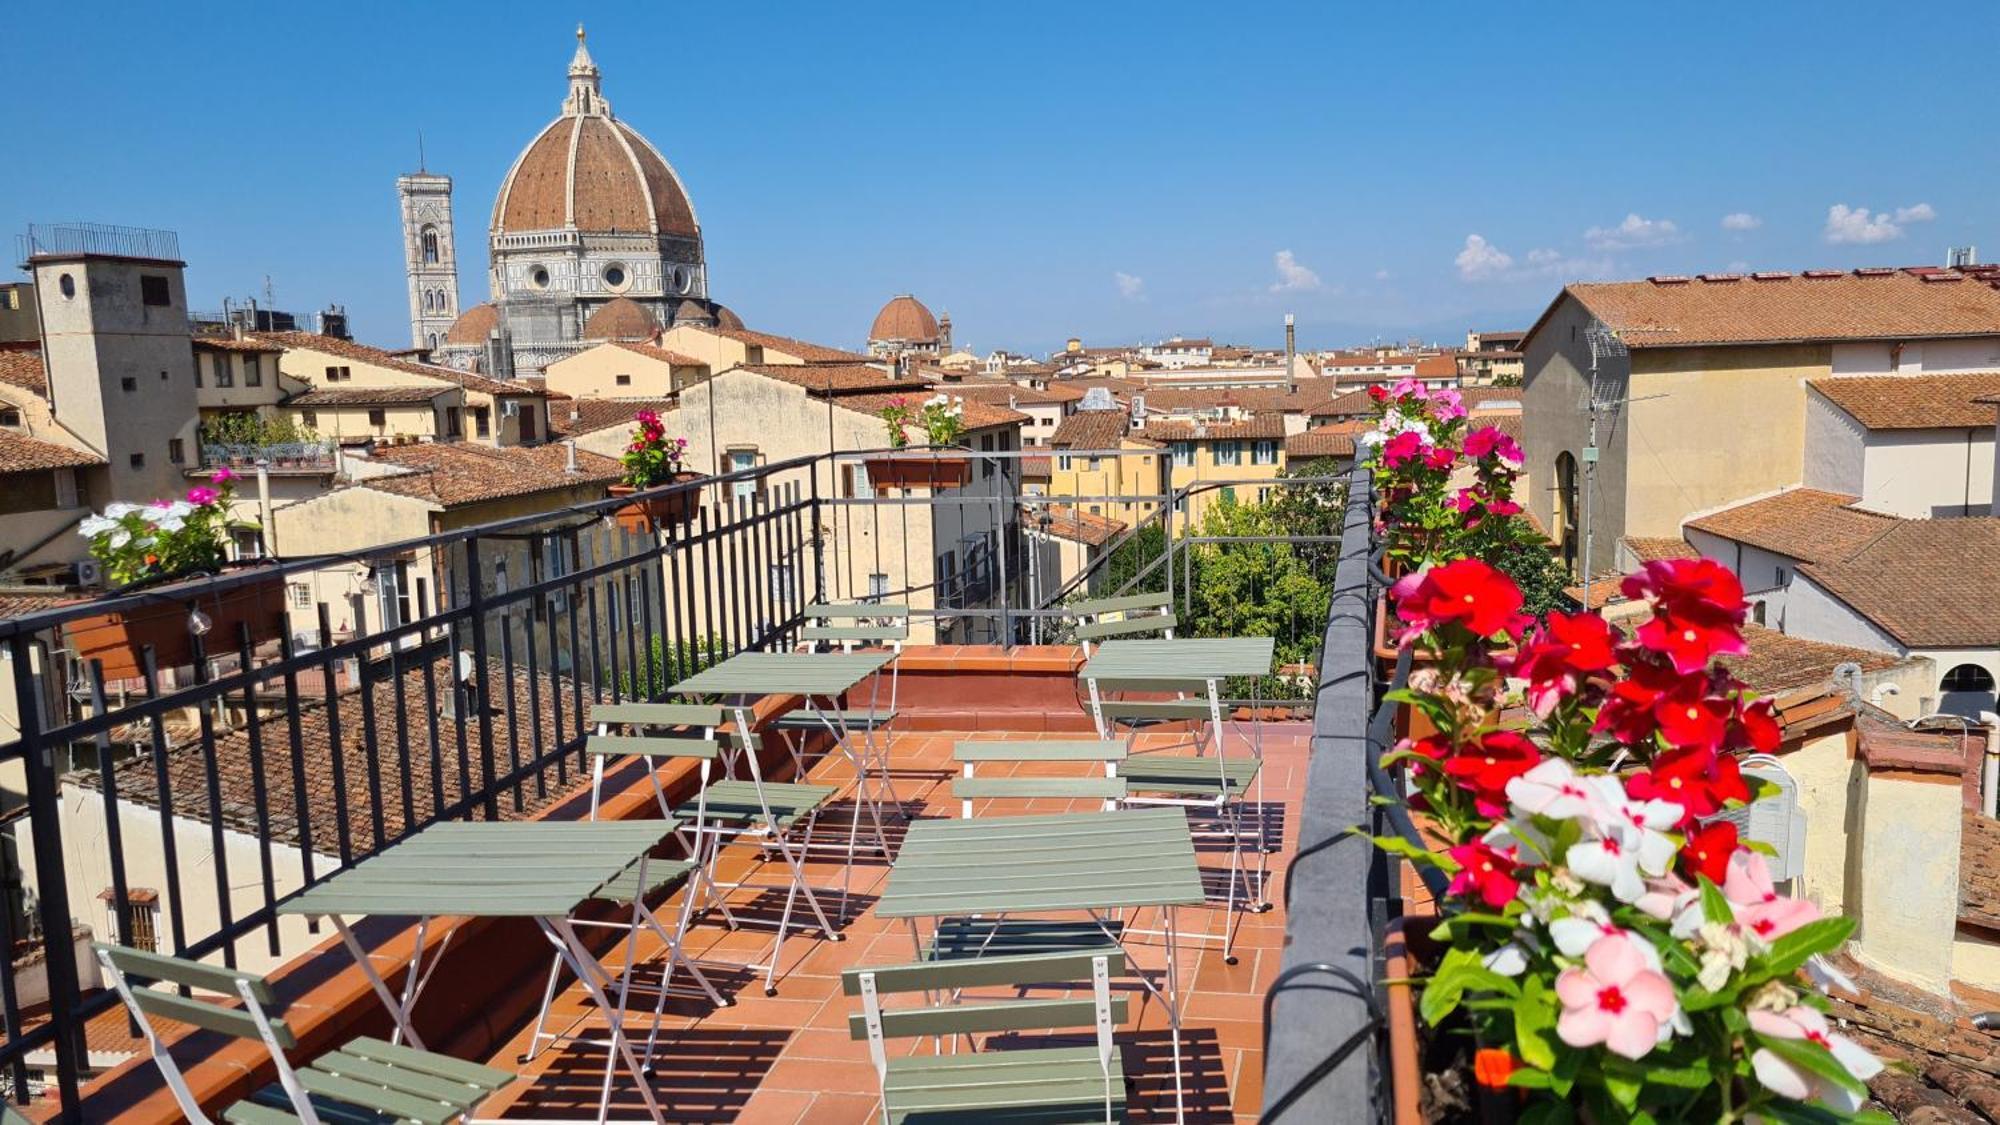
(1291,350)
(569,456)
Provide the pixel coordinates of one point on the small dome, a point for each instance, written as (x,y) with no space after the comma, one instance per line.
(621,318)
(725,317)
(474,325)
(904,318)
(692,312)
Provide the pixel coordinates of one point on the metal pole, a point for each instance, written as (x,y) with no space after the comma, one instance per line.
(37,759)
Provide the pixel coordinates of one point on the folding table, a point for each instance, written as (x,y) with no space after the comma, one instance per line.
(818,677)
(1199,665)
(542,870)
(1086,862)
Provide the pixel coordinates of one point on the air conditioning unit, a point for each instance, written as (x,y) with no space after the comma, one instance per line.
(88,572)
(510,409)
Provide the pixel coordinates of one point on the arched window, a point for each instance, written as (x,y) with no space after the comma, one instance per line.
(1566,508)
(1967,689)
(430,246)
(433,338)
(428,304)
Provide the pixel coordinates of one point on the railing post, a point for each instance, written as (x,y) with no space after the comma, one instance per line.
(52,887)
(818,541)
(475,601)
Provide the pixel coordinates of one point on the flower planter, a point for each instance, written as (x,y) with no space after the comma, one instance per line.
(919,470)
(642,517)
(1432,1077)
(116,638)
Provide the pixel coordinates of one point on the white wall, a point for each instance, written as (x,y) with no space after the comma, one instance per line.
(1834,447)
(1944,660)
(1930,357)
(1813,613)
(1920,474)
(1766,575)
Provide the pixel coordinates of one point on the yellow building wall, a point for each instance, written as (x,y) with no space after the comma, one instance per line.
(1207,468)
(718,352)
(1136,473)
(594,374)
(1710,426)
(417,420)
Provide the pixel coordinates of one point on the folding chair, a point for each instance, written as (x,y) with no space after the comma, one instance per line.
(367,1080)
(847,626)
(1101,619)
(1219,784)
(1026,1084)
(661,874)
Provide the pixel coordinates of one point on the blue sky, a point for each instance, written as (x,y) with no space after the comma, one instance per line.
(1115,171)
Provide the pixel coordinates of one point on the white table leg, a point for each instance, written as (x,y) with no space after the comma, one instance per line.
(563,936)
(397,1010)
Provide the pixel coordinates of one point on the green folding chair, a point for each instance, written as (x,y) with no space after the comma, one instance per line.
(694,738)
(1039,1084)
(845,627)
(1135,615)
(367,1080)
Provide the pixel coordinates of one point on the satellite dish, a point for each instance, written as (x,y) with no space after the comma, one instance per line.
(464,666)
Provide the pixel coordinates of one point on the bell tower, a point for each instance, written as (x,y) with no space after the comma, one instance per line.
(430,256)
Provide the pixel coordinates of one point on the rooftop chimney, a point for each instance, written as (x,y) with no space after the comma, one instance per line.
(569,456)
(1291,349)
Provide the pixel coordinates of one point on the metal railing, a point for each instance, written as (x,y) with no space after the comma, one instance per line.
(97,238)
(438,678)
(280,454)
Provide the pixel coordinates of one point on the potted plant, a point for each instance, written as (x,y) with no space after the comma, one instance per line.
(157,548)
(650,461)
(943,420)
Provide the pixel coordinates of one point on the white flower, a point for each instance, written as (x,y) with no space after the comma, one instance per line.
(119,538)
(1529,844)
(1724,950)
(94,526)
(1586,923)
(170,523)
(1826,976)
(1510,960)
(1551,789)
(119,510)
(1782,1078)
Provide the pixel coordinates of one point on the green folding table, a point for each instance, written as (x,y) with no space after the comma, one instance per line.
(543,870)
(1194,668)
(821,678)
(1092,863)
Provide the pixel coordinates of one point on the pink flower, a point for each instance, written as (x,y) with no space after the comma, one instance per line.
(1409,388)
(1406,446)
(1615,999)
(1484,873)
(1491,441)
(223,475)
(202,497)
(1446,405)
(1759,907)
(645,417)
(1782,1078)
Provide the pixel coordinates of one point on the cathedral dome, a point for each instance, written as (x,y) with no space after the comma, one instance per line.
(726,317)
(621,318)
(904,318)
(474,325)
(589,171)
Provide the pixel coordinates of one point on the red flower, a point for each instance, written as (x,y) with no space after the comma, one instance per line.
(1688,717)
(1708,850)
(1467,592)
(1378,392)
(1486,873)
(1485,770)
(1628,711)
(1567,648)
(1701,588)
(1757,728)
(1439,457)
(1435,749)
(1406,446)
(1492,1066)
(1697,780)
(1689,642)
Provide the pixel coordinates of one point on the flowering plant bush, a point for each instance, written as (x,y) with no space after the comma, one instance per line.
(651,459)
(1632,955)
(166,538)
(941,416)
(1444,482)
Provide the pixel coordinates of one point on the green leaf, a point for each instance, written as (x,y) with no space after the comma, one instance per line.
(1814,1058)
(1714,906)
(1534,1018)
(1415,853)
(1623,1090)
(1447,985)
(1819,936)
(1546,1112)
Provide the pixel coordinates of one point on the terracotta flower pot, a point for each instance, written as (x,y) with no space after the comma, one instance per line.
(918,470)
(644,516)
(116,638)
(1400,965)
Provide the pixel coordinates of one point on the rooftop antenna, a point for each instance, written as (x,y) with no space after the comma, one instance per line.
(421,166)
(1604,343)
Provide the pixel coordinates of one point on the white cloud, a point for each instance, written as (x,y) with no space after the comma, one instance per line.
(1741,220)
(1859,225)
(1481,260)
(1634,233)
(1292,276)
(1381,275)
(1130,287)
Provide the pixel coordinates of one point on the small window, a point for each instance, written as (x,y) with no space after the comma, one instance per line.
(176,451)
(301,595)
(67,284)
(1183,454)
(309,417)
(482,421)
(1063,461)
(878,587)
(1228,452)
(253,371)
(622,380)
(248,542)
(10,417)
(128,383)
(376,417)
(430,246)
(137,460)
(332,374)
(224,376)
(1264,453)
(153,290)
(67,495)
(197,371)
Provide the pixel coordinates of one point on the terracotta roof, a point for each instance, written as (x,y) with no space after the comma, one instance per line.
(1309,395)
(1335,439)
(1036,466)
(187,765)
(1950,1072)
(1647,549)
(1020,394)
(1193,343)
(232,344)
(22,367)
(1779,661)
(22,454)
(664,355)
(811,353)
(725,317)
(1927,583)
(837,378)
(1067,521)
(620,318)
(1112,383)
(457,473)
(362,353)
(20,603)
(1348,404)
(904,318)
(592,172)
(977,415)
(365,396)
(1978,875)
(1257,426)
(1800,523)
(473,325)
(1913,402)
(593,414)
(1091,429)
(1776,308)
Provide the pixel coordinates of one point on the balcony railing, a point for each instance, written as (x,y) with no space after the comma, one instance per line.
(447,677)
(277,455)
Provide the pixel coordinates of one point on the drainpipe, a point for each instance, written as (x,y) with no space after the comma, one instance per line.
(264,508)
(1989,774)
